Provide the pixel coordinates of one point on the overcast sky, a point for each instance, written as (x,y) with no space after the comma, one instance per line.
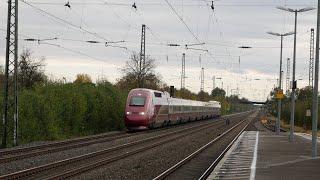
(233,23)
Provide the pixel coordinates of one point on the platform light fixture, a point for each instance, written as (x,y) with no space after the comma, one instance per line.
(294,82)
(277,127)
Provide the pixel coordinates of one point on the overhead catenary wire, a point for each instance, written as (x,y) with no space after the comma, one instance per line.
(155,35)
(182,21)
(120,17)
(43,42)
(161,42)
(63,21)
(187,27)
(95,33)
(131,26)
(68,39)
(69,49)
(82,21)
(23,35)
(212,15)
(222,4)
(76,52)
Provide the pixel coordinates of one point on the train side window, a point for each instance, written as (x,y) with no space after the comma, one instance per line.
(174,109)
(194,108)
(171,109)
(156,94)
(188,108)
(164,110)
(184,108)
(177,109)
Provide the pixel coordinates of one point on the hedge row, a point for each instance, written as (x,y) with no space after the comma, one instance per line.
(61,111)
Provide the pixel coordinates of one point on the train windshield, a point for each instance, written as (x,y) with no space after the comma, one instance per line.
(137,101)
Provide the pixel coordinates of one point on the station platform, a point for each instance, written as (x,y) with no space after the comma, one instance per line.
(264,155)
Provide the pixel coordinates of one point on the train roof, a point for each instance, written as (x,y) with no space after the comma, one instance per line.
(178,101)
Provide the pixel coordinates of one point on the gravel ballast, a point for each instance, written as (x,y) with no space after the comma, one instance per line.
(139,160)
(151,163)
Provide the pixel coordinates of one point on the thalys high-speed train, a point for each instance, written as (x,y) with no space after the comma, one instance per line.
(147,109)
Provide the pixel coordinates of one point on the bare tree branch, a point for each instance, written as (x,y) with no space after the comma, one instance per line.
(132,73)
(30,70)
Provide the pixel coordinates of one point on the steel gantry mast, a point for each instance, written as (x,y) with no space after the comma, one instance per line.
(311,60)
(183,72)
(213,82)
(202,80)
(142,62)
(10,98)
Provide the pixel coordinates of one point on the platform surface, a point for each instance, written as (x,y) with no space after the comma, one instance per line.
(265,155)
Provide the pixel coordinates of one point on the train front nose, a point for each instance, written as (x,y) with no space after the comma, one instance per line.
(136,115)
(136,119)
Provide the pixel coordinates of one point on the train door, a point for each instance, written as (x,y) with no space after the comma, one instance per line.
(170,110)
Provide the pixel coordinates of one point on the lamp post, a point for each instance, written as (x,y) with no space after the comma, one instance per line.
(280,77)
(315,92)
(221,82)
(241,47)
(294,83)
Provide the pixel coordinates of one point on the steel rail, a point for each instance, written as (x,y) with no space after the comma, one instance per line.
(37,147)
(27,152)
(32,171)
(197,152)
(206,174)
(105,161)
(59,147)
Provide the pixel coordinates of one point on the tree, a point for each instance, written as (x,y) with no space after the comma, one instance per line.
(305,93)
(217,92)
(203,96)
(233,98)
(1,76)
(186,94)
(133,74)
(83,78)
(31,70)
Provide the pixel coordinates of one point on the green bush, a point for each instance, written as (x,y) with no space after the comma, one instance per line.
(301,107)
(59,111)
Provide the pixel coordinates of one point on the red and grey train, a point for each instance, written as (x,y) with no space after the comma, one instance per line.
(147,109)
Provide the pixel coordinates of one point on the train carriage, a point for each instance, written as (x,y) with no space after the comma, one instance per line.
(146,108)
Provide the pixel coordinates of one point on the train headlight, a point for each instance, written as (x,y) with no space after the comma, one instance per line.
(128,113)
(142,113)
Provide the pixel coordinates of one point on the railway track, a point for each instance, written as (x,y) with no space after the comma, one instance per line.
(89,161)
(27,152)
(195,165)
